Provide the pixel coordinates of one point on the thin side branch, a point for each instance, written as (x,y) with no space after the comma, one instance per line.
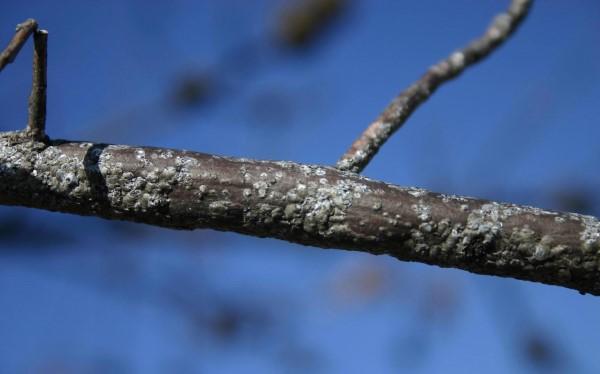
(394,116)
(23,31)
(307,204)
(37,99)
(36,123)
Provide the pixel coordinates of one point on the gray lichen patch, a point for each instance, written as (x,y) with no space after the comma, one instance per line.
(313,170)
(486,226)
(485,222)
(60,172)
(145,184)
(422,210)
(447,198)
(321,207)
(416,192)
(525,238)
(261,187)
(142,185)
(543,249)
(590,235)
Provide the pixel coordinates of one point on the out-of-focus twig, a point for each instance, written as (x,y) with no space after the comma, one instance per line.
(301,24)
(394,116)
(22,33)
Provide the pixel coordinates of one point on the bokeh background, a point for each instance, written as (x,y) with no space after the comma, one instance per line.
(299,80)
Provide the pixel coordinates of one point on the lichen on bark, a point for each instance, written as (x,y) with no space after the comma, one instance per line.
(307,204)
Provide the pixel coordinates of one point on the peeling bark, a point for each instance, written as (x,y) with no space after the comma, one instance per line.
(307,204)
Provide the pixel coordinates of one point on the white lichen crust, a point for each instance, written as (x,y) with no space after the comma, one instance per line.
(306,204)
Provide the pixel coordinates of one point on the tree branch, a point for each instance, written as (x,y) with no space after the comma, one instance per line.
(22,32)
(37,99)
(395,115)
(307,204)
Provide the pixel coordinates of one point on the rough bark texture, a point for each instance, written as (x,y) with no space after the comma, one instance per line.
(36,124)
(314,205)
(395,115)
(22,32)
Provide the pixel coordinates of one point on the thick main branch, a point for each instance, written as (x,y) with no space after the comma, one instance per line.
(314,205)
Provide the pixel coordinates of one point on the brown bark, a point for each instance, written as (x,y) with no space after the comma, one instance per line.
(22,32)
(307,204)
(36,124)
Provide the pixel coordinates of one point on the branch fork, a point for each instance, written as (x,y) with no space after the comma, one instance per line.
(36,123)
(306,204)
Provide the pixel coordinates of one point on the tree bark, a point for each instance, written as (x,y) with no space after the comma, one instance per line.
(307,204)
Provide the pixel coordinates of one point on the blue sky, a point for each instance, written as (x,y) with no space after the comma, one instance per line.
(79,294)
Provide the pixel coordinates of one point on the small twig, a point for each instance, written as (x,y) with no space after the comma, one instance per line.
(22,33)
(394,116)
(37,99)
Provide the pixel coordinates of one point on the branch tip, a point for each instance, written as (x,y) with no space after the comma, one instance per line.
(395,115)
(29,23)
(22,32)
